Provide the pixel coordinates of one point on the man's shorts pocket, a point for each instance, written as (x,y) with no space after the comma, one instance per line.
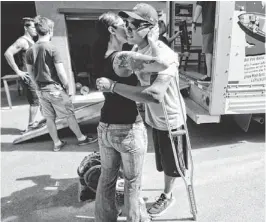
(56,94)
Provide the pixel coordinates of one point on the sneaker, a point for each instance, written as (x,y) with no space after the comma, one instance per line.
(161,205)
(58,148)
(88,140)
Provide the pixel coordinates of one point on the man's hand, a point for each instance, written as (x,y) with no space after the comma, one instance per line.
(194,27)
(104,84)
(178,33)
(66,86)
(153,34)
(24,75)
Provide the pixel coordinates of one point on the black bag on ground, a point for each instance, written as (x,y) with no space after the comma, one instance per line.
(89,172)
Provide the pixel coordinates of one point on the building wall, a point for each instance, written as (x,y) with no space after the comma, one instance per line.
(12,28)
(50,9)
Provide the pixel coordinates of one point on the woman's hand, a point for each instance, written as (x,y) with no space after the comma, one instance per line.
(104,84)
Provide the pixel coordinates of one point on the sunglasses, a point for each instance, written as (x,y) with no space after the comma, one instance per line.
(138,25)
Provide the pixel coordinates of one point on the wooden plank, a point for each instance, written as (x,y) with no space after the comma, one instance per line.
(183,84)
(198,114)
(82,114)
(92,97)
(11,77)
(192,74)
(7,94)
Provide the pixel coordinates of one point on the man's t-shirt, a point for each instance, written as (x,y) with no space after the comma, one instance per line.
(208,16)
(154,115)
(42,56)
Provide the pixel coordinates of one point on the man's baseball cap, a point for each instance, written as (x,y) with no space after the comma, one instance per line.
(142,11)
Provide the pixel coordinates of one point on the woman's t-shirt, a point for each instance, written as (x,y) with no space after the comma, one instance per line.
(118,109)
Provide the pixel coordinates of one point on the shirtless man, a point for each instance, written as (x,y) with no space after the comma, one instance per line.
(20,46)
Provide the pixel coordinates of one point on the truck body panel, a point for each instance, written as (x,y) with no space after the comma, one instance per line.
(238,70)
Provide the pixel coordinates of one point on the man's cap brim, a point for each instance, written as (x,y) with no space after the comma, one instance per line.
(133,15)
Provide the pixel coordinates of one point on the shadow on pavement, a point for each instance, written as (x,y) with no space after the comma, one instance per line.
(51,199)
(224,133)
(32,203)
(10,131)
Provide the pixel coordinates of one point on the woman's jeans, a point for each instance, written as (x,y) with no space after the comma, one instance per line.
(124,144)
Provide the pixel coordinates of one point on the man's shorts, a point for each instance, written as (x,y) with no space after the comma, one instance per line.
(30,90)
(55,102)
(164,153)
(207,43)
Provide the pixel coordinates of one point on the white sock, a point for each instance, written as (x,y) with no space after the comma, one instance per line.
(168,195)
(83,137)
(58,143)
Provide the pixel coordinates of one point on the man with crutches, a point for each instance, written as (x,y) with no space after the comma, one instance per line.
(155,89)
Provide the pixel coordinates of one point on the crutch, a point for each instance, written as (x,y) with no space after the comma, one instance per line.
(186,174)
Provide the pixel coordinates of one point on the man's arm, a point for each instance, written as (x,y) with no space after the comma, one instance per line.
(171,39)
(62,74)
(197,13)
(160,83)
(125,63)
(59,66)
(20,44)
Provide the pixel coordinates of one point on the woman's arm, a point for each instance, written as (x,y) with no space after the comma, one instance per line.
(127,62)
(145,94)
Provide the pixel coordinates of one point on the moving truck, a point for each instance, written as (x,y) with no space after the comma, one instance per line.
(238,72)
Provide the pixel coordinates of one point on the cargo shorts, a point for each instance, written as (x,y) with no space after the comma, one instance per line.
(207,43)
(55,102)
(164,156)
(30,90)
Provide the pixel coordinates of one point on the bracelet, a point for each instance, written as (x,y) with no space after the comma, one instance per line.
(113,86)
(194,22)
